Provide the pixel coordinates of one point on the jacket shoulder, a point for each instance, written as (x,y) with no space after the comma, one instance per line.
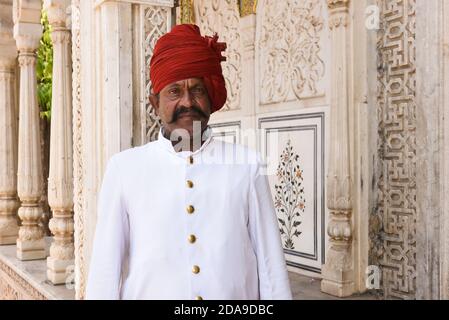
(130,156)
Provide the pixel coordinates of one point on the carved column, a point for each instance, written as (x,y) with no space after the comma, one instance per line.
(8,129)
(60,180)
(27,32)
(338,271)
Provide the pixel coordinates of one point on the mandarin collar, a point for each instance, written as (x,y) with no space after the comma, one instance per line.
(167,145)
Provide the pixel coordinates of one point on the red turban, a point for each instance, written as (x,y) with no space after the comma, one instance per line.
(183,53)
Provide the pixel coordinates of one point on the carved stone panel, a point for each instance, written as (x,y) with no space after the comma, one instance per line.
(393,224)
(155,24)
(291,62)
(14,287)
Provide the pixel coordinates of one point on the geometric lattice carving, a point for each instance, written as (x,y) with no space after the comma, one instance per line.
(290,63)
(289,198)
(393,224)
(155,25)
(222,17)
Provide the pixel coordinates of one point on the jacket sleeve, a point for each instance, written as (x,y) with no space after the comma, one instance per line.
(111,239)
(274,283)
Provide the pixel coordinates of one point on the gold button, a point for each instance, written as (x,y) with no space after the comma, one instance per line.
(192,238)
(198,298)
(190,159)
(189,184)
(196,269)
(190,209)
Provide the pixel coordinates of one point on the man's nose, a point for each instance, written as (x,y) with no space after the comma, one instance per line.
(186,99)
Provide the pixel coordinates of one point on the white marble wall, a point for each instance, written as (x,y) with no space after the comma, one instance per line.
(432,155)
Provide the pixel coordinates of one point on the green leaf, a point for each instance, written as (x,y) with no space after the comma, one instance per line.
(44,69)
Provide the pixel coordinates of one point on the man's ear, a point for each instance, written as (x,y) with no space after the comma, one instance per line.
(154,100)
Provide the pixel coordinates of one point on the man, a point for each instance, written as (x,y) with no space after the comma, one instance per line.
(180,217)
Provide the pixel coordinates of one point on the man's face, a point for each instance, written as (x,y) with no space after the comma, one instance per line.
(181,103)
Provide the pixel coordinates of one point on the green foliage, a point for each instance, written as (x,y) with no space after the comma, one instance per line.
(44,68)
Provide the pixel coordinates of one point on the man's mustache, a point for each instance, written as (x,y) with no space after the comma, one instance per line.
(183,109)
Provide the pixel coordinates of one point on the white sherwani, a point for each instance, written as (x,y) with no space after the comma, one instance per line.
(187,226)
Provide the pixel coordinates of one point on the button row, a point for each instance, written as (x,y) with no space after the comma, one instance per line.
(191,238)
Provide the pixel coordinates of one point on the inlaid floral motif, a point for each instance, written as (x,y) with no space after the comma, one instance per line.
(290,202)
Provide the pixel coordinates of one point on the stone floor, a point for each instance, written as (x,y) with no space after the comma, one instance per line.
(308,288)
(34,272)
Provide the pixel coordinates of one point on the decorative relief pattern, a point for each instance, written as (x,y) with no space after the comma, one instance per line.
(222,17)
(393,224)
(27,59)
(290,63)
(155,25)
(14,287)
(78,176)
(7,292)
(289,198)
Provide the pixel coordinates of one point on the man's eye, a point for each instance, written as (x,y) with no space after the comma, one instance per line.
(198,90)
(173,92)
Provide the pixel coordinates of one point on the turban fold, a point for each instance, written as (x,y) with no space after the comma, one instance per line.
(183,53)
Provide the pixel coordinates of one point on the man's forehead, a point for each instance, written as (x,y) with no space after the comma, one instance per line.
(191,82)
